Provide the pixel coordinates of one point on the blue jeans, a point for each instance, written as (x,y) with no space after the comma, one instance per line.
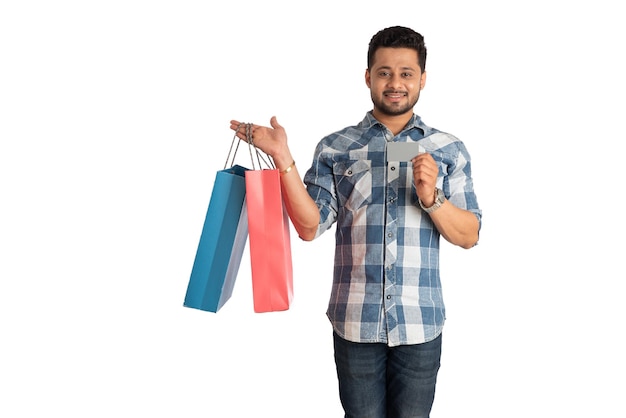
(378,381)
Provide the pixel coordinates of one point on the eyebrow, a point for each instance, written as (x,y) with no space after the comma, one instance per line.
(386,67)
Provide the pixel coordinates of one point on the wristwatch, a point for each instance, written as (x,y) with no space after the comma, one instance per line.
(439,199)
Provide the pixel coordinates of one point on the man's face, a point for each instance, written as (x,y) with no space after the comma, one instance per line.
(395,80)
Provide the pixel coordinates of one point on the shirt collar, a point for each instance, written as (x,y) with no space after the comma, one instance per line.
(414,123)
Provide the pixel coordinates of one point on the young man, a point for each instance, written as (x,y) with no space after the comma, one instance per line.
(386,304)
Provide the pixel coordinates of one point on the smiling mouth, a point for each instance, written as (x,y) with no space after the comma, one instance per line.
(394,94)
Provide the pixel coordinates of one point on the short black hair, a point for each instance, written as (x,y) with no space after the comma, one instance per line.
(398,37)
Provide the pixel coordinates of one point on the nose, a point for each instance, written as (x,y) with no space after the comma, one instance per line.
(394,81)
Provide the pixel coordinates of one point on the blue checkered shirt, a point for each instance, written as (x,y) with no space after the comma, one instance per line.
(386,285)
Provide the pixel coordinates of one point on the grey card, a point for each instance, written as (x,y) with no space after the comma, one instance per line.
(403,151)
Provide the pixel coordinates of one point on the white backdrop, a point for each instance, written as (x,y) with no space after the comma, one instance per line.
(114,118)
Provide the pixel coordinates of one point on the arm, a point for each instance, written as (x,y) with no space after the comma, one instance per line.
(302,210)
(458,226)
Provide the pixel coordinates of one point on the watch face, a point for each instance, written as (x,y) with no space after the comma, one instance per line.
(440,196)
(439,199)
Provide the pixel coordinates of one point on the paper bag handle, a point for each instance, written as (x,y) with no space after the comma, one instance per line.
(259,157)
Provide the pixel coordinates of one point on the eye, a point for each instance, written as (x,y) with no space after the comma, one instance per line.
(383,74)
(407,75)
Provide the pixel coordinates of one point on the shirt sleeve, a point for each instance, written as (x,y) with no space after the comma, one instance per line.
(459,186)
(320,184)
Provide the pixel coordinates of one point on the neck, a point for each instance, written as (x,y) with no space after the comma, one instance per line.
(395,123)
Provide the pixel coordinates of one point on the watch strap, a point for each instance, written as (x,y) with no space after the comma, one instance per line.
(439,199)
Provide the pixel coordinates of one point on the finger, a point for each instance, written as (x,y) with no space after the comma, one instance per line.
(239,128)
(424,156)
(274,123)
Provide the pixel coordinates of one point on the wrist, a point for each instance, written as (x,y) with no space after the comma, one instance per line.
(434,203)
(282,161)
(288,169)
(430,200)
(284,165)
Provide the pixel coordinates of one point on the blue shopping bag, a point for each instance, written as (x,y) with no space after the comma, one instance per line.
(222,242)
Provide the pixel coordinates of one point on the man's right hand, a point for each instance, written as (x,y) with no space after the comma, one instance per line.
(272,141)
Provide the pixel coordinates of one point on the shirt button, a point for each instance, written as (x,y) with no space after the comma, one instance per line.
(390,235)
(388,296)
(393,168)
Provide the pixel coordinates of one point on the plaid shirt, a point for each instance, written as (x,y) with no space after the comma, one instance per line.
(386,285)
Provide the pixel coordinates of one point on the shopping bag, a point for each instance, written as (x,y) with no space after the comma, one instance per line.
(270,245)
(222,241)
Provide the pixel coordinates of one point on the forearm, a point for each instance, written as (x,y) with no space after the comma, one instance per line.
(303,211)
(457,226)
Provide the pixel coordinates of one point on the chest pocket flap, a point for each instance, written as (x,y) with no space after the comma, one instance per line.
(353,181)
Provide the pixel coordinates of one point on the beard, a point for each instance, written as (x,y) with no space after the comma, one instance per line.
(394,109)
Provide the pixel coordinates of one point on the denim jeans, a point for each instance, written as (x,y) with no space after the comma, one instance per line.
(378,381)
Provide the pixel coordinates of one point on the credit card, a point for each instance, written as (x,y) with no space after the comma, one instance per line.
(403,151)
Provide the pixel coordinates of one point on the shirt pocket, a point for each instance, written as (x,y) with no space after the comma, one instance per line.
(353,181)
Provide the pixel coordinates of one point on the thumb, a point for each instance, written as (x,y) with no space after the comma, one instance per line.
(274,123)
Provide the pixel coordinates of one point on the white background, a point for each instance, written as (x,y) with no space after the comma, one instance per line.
(114,117)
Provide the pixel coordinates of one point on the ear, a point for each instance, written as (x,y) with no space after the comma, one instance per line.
(423,80)
(368,79)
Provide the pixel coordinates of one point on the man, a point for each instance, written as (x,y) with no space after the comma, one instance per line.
(386,304)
